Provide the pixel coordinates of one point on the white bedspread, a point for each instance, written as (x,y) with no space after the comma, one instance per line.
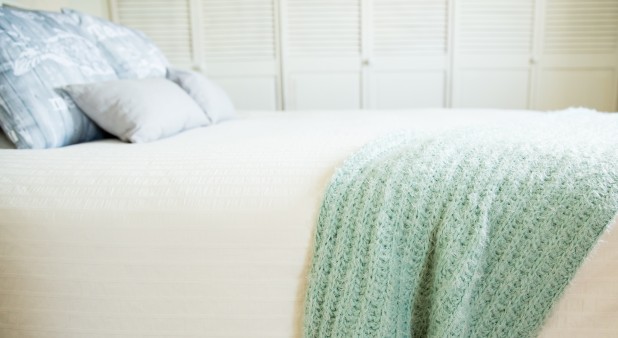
(206,234)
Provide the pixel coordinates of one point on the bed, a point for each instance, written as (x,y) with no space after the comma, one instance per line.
(208,233)
(212,224)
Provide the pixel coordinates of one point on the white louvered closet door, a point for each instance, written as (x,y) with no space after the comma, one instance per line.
(408,59)
(322,54)
(237,42)
(167,23)
(493,53)
(579,58)
(232,41)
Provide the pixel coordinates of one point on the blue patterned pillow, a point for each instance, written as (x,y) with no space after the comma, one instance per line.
(42,52)
(130,52)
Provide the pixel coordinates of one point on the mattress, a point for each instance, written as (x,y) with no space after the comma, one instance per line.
(208,233)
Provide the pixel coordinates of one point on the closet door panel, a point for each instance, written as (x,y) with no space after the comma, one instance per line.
(250,85)
(167,23)
(579,64)
(407,61)
(408,89)
(250,93)
(495,88)
(326,91)
(493,53)
(238,47)
(322,54)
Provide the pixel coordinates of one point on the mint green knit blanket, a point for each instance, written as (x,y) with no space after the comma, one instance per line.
(468,233)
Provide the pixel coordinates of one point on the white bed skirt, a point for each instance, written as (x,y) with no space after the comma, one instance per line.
(207,234)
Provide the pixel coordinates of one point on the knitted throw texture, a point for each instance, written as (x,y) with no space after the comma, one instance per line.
(467,233)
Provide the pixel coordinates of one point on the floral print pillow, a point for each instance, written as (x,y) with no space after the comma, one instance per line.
(130,52)
(42,52)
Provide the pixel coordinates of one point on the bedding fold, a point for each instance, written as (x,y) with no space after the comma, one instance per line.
(471,233)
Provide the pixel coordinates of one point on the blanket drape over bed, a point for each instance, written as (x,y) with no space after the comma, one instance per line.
(474,233)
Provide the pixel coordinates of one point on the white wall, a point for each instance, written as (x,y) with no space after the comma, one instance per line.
(94,7)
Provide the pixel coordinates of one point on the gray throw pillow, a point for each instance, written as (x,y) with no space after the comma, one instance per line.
(210,97)
(138,111)
(130,52)
(40,52)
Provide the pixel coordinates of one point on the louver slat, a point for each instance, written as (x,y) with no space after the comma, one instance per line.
(409,27)
(581,26)
(495,26)
(238,30)
(324,28)
(167,23)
